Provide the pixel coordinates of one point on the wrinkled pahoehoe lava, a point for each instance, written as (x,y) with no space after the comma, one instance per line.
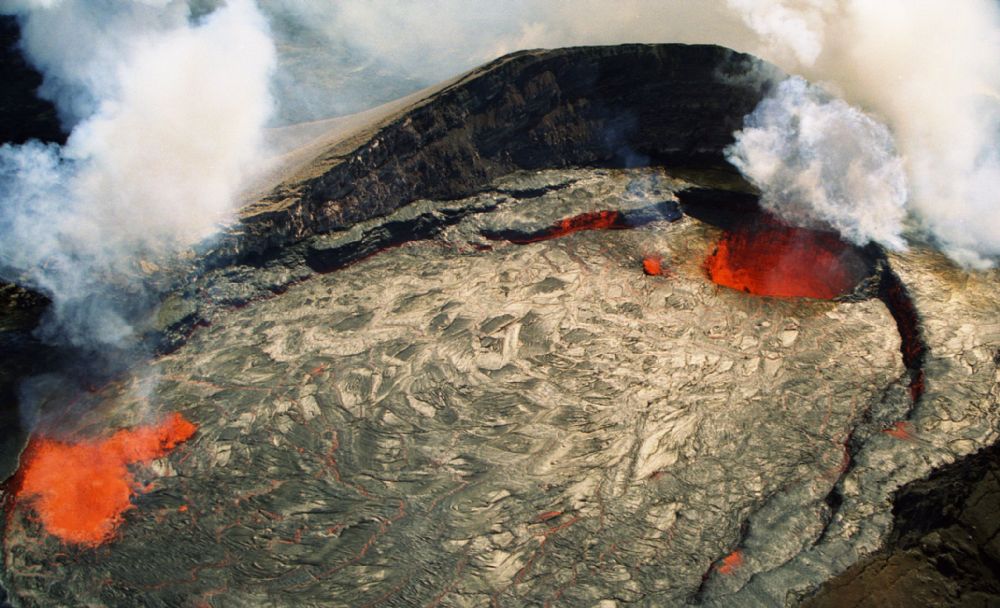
(515,341)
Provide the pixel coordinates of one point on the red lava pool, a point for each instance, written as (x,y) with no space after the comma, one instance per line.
(772,259)
(79,490)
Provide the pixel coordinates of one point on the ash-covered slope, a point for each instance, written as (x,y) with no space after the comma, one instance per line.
(460,356)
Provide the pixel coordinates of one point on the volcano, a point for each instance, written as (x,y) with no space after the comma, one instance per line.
(526,338)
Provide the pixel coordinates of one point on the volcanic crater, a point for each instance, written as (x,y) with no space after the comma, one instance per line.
(524,338)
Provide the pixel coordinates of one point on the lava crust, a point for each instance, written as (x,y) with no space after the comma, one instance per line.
(471,353)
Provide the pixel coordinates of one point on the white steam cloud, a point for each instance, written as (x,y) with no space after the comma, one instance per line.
(928,69)
(931,70)
(167,118)
(786,28)
(818,158)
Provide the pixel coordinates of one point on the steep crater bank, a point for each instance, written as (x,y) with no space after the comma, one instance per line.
(630,105)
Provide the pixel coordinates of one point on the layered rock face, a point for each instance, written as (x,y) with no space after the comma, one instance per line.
(467,355)
(606,106)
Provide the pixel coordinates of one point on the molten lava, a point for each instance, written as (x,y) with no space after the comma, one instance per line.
(80,490)
(778,260)
(652,265)
(731,562)
(596,220)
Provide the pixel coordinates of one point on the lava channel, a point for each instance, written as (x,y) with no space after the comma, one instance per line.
(773,259)
(606,219)
(80,490)
(596,220)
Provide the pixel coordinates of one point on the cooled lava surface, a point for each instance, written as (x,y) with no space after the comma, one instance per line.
(462,419)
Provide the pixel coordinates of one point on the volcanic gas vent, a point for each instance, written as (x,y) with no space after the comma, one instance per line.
(766,257)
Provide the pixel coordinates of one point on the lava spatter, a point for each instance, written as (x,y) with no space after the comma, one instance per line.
(652,265)
(80,490)
(784,261)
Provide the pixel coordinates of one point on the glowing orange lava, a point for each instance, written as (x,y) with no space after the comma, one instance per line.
(598,220)
(80,490)
(595,220)
(900,430)
(652,265)
(778,260)
(731,562)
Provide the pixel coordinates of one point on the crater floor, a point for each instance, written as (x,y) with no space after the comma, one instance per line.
(463,420)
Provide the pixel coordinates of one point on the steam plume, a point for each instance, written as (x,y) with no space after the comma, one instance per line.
(166,118)
(817,158)
(931,70)
(166,100)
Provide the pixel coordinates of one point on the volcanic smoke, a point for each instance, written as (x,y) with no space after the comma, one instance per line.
(80,490)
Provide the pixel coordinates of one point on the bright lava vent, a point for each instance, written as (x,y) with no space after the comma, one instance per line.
(783,261)
(80,490)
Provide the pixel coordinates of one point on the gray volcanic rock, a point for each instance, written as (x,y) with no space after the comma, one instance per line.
(440,423)
(943,548)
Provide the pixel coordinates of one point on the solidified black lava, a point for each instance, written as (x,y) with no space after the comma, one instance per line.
(943,549)
(628,105)
(385,236)
(912,346)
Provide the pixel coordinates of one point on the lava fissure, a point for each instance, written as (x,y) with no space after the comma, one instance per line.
(912,346)
(725,565)
(527,193)
(387,236)
(594,220)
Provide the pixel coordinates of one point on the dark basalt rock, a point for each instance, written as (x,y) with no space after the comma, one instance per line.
(943,550)
(23,115)
(629,105)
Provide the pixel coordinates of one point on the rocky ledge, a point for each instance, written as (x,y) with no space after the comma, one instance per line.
(630,105)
